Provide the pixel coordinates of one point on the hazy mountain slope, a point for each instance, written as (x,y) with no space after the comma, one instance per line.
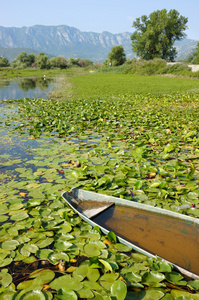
(69,42)
(11,53)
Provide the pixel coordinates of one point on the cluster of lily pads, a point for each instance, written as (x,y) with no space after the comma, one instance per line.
(48,252)
(141,148)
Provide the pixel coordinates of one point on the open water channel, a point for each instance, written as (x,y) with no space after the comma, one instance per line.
(15,145)
(26,88)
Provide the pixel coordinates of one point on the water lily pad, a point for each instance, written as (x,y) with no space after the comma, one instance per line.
(183,295)
(26,249)
(55,257)
(106,265)
(112,237)
(7,295)
(94,248)
(85,292)
(33,185)
(64,293)
(66,281)
(33,202)
(122,247)
(19,216)
(153,278)
(193,211)
(43,275)
(107,280)
(15,206)
(44,253)
(119,290)
(175,278)
(5,279)
(194,284)
(3,218)
(6,262)
(44,243)
(35,294)
(10,245)
(155,294)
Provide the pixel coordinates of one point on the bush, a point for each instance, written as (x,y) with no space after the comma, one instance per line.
(146,67)
(156,66)
(178,69)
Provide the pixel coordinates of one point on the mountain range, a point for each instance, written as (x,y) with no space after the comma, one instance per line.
(71,42)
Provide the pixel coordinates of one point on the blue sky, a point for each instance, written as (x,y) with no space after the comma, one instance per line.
(114,16)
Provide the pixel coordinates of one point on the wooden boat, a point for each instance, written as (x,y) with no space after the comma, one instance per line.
(149,230)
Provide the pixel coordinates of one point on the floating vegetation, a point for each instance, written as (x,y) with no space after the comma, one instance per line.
(142,148)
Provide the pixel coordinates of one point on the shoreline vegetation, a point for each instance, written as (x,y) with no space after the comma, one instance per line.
(130,134)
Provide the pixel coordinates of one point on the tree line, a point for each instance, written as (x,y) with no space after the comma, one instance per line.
(41,61)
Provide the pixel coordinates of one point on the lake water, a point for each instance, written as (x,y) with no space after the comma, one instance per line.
(26,88)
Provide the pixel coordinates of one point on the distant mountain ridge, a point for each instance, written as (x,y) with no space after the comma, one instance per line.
(68,41)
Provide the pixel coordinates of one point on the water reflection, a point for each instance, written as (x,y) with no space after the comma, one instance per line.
(26,88)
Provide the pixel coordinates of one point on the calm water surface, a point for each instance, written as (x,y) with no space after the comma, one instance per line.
(26,88)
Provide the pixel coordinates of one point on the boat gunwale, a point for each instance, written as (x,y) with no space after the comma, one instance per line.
(78,194)
(85,195)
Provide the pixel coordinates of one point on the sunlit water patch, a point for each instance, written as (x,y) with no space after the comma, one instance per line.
(26,88)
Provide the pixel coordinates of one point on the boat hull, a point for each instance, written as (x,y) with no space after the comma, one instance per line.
(149,230)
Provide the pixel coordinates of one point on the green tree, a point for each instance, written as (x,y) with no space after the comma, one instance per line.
(22,57)
(41,60)
(117,56)
(4,62)
(30,60)
(84,62)
(23,60)
(73,62)
(155,35)
(194,57)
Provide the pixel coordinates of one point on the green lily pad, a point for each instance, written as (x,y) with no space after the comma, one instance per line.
(106,265)
(44,253)
(153,279)
(122,247)
(7,295)
(64,293)
(84,270)
(55,257)
(5,279)
(193,211)
(43,275)
(119,290)
(10,245)
(44,243)
(35,294)
(67,281)
(85,292)
(112,237)
(6,262)
(19,216)
(183,295)
(175,278)
(33,202)
(3,218)
(107,280)
(194,284)
(26,249)
(65,228)
(62,246)
(155,294)
(94,248)
(15,206)
(133,277)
